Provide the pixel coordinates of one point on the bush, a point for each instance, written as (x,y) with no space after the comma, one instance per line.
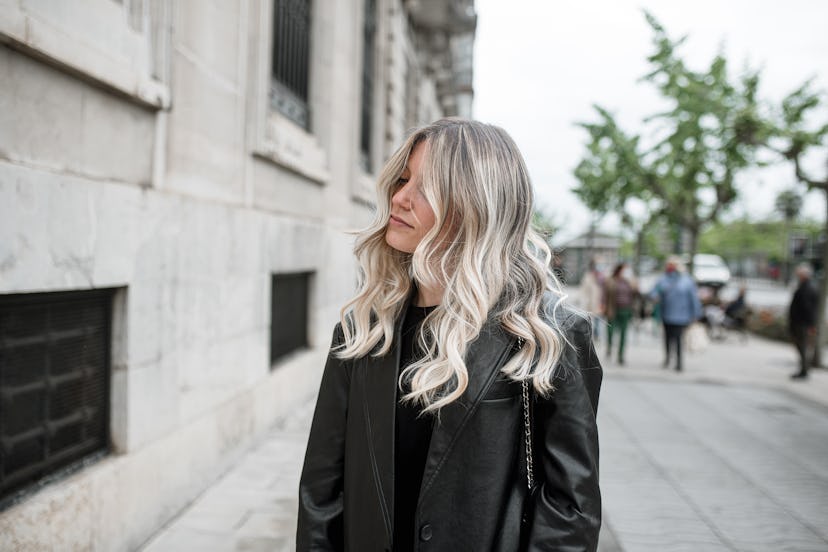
(772,323)
(769,323)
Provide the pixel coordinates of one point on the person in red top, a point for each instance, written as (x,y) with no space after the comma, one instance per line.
(617,306)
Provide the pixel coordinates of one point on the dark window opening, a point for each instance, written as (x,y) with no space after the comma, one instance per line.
(369,33)
(291,59)
(54,384)
(289,300)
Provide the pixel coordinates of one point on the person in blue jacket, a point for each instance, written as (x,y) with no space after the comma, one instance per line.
(679,306)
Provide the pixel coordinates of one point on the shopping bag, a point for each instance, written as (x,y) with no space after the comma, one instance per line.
(695,338)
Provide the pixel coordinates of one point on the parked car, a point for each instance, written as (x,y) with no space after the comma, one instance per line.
(710,270)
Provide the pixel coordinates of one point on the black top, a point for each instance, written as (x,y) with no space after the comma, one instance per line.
(412,437)
(803,309)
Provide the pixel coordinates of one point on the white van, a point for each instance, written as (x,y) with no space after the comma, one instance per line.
(710,270)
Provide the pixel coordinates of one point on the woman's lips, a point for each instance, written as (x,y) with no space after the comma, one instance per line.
(396,221)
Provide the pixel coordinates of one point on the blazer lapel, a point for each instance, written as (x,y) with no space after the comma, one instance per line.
(484,359)
(380,383)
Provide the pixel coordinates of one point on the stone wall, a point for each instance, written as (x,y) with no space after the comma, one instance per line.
(138,151)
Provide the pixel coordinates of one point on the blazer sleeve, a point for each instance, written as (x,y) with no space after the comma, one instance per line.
(320,524)
(567,509)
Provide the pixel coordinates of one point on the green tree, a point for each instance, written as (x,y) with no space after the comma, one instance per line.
(709,133)
(611,176)
(642,237)
(796,138)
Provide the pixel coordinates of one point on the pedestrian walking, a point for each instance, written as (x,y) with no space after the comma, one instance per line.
(679,306)
(590,293)
(619,294)
(458,377)
(802,318)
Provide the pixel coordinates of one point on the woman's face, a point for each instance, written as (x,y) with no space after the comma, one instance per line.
(411,215)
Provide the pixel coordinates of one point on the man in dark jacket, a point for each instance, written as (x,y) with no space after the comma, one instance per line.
(802,318)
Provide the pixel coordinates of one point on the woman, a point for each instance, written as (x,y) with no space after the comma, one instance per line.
(417,441)
(618,298)
(679,304)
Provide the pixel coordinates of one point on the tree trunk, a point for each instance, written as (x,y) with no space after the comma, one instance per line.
(823,291)
(639,250)
(694,241)
(786,252)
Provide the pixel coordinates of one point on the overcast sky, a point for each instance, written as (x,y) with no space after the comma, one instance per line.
(541,64)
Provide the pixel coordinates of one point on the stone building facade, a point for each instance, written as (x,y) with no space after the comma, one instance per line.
(176,183)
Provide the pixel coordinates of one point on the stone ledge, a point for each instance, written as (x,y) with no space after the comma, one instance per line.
(43,41)
(290,147)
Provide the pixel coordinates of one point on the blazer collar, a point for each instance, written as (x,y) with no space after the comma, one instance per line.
(484,359)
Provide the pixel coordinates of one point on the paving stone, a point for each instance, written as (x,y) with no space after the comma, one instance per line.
(669,450)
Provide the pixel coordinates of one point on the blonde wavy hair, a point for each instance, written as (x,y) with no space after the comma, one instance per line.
(482,250)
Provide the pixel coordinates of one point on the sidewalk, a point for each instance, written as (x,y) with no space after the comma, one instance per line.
(253,507)
(756,361)
(727,455)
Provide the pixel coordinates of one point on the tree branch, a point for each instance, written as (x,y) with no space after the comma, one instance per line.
(802,177)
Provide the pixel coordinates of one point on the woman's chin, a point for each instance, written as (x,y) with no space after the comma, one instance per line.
(395,242)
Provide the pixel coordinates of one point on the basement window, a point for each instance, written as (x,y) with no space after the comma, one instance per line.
(289,300)
(54,384)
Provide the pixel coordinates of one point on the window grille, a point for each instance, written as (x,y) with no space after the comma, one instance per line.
(291,59)
(369,33)
(54,383)
(289,299)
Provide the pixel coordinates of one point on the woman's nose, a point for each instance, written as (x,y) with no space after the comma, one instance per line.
(402,198)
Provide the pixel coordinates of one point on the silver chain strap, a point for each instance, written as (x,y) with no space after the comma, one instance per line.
(527,424)
(527,427)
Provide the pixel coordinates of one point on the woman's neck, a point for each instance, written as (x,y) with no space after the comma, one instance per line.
(428,297)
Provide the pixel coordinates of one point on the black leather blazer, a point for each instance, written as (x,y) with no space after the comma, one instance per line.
(474,484)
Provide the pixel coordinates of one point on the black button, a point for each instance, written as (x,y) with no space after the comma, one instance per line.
(425,532)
